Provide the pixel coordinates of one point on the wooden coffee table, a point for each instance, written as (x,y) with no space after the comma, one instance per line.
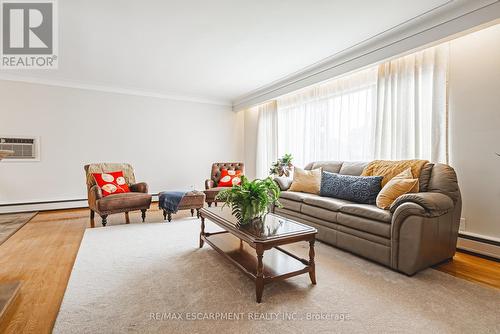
(245,246)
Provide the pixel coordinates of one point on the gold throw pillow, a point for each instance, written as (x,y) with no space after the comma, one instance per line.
(306,181)
(390,168)
(400,184)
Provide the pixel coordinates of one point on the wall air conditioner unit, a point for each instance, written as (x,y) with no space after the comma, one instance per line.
(25,148)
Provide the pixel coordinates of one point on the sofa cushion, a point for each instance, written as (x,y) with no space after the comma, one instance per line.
(123,201)
(320,213)
(333,204)
(296,196)
(367,225)
(367,211)
(329,166)
(360,189)
(290,204)
(353,168)
(425,176)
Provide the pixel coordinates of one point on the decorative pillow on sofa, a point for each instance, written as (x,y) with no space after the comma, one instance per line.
(400,184)
(111,183)
(229,178)
(306,181)
(390,168)
(360,189)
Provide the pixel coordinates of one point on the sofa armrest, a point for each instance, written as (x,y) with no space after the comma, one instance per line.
(283,182)
(435,204)
(141,187)
(209,184)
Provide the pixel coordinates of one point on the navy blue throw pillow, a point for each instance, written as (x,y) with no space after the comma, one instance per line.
(359,189)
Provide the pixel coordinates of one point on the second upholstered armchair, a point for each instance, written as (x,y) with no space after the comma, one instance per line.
(137,199)
(211,185)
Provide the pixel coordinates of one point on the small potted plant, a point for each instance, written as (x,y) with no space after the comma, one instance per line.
(282,166)
(250,200)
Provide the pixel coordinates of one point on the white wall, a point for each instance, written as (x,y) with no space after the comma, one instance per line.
(171,144)
(474,105)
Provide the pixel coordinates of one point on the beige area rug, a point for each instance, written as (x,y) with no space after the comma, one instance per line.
(152,278)
(10,223)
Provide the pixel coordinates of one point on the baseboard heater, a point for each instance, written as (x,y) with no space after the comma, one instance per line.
(479,245)
(48,205)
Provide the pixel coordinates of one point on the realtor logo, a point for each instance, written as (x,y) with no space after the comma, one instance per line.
(29,34)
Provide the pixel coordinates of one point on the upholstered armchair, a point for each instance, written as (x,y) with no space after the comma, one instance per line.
(137,199)
(211,185)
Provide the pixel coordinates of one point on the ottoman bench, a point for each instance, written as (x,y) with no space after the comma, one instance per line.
(192,200)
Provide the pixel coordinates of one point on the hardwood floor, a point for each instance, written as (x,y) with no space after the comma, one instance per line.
(474,269)
(42,254)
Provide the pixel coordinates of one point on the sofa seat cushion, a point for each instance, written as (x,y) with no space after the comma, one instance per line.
(328,216)
(332,204)
(363,224)
(367,211)
(119,202)
(296,196)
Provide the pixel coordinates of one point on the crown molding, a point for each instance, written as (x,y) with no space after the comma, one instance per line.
(437,24)
(111,89)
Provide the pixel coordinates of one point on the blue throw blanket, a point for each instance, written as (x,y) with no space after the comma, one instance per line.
(169,200)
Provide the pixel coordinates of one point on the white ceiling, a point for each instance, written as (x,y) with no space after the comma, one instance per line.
(218,49)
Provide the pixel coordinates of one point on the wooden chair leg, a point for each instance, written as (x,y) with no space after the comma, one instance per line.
(127,218)
(143,215)
(192,212)
(164,214)
(92,222)
(209,204)
(104,219)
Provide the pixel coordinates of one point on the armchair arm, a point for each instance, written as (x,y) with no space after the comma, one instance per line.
(283,182)
(94,194)
(209,184)
(141,187)
(435,204)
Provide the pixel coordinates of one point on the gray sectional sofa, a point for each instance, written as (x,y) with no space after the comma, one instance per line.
(418,231)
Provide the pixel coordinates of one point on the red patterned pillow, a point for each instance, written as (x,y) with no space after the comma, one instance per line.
(229,178)
(111,183)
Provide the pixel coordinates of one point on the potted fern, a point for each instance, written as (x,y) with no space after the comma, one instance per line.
(250,200)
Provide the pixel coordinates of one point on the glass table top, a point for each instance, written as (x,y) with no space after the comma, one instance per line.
(272,226)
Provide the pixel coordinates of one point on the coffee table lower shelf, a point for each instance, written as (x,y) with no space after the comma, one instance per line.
(276,264)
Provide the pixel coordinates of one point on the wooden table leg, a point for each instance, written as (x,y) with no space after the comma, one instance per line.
(127,218)
(312,265)
(202,233)
(259,280)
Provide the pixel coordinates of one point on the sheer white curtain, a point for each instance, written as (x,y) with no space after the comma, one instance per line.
(267,138)
(395,110)
(330,121)
(411,114)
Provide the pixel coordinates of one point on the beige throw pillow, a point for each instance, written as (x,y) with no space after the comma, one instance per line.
(306,181)
(400,184)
